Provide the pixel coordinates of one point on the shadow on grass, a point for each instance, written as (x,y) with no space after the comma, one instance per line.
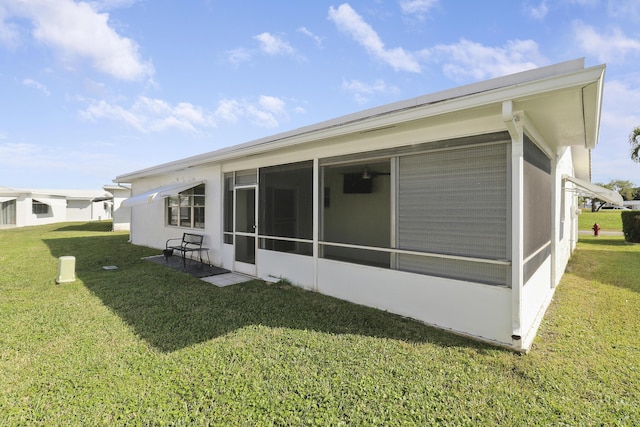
(171,310)
(93,226)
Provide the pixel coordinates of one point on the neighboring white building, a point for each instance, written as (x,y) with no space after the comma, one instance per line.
(121,215)
(456,208)
(23,207)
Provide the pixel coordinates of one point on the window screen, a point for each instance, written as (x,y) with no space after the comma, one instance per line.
(455,202)
(537,215)
(286,207)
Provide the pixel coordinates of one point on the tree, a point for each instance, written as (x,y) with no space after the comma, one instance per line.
(634,140)
(624,188)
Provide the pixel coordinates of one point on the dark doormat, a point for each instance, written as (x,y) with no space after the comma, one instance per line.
(194,267)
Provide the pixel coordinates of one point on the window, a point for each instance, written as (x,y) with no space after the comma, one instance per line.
(286,213)
(8,212)
(39,208)
(187,208)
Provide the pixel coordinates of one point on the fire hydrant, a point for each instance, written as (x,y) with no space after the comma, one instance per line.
(596,229)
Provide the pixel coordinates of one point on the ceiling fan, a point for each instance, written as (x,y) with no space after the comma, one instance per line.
(368,173)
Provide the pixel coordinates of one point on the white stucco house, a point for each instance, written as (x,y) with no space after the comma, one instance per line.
(458,208)
(21,207)
(120,215)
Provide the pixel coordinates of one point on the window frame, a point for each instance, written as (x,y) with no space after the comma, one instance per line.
(188,208)
(39,208)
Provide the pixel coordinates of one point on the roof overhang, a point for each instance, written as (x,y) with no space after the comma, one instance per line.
(563,100)
(592,190)
(159,193)
(6,199)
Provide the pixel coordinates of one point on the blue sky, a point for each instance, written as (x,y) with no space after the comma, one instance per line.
(92,90)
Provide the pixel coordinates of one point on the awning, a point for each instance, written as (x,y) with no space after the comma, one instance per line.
(51,202)
(159,193)
(591,190)
(102,198)
(6,199)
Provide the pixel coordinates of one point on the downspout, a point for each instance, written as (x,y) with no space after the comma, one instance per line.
(513,122)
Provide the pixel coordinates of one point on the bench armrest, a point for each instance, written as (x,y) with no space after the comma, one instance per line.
(166,245)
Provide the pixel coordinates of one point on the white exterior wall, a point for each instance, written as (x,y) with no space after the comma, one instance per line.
(57,210)
(566,215)
(537,294)
(148,222)
(121,216)
(473,309)
(86,210)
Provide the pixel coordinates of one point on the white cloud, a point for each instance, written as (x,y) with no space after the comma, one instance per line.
(152,115)
(268,44)
(267,112)
(348,21)
(470,60)
(612,47)
(149,115)
(9,34)
(364,91)
(315,38)
(417,7)
(77,31)
(238,56)
(274,45)
(537,12)
(36,85)
(272,104)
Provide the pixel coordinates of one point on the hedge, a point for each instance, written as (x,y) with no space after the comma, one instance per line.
(631,226)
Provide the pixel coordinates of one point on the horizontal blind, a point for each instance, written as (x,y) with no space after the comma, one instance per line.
(455,202)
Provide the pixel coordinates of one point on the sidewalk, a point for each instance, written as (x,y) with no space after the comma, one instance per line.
(602,233)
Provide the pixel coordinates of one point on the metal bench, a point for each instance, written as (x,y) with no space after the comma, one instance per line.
(189,243)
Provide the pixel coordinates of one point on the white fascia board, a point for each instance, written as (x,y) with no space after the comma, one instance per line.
(449,101)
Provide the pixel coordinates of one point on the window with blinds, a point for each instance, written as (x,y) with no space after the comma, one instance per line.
(455,202)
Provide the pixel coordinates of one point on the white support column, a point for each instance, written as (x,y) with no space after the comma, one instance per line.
(557,205)
(316,219)
(513,121)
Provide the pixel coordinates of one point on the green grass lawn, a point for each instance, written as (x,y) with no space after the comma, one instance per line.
(146,345)
(608,220)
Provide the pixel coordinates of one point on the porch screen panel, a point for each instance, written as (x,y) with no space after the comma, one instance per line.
(537,212)
(455,202)
(286,207)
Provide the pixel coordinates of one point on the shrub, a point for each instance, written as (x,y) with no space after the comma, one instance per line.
(631,226)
